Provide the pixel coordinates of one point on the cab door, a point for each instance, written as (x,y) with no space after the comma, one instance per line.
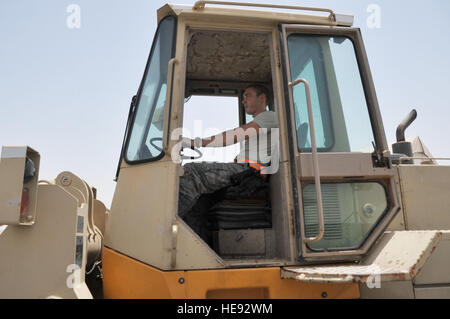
(338,151)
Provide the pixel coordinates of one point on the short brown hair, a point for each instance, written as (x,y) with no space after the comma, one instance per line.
(259,89)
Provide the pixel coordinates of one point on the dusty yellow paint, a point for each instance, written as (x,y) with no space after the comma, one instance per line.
(125,277)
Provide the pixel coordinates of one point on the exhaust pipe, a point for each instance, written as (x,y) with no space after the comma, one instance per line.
(402,147)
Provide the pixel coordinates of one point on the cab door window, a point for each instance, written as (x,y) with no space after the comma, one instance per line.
(340,113)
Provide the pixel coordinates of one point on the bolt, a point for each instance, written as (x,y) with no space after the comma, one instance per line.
(324,294)
(368,210)
(181,280)
(66,180)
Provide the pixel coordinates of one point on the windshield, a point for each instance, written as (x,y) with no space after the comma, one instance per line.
(145,142)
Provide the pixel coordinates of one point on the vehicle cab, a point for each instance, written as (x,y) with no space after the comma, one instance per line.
(332,191)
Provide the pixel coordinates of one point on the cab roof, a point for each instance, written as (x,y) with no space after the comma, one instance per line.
(228,9)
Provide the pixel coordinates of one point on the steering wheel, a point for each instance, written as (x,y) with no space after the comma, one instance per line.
(155,139)
(182,157)
(196,150)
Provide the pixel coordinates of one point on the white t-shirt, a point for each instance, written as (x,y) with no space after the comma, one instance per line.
(258,148)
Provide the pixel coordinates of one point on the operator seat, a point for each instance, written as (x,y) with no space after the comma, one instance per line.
(245,205)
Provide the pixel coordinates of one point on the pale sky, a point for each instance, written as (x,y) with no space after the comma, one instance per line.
(66,92)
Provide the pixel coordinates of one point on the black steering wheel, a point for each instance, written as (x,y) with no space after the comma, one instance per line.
(196,150)
(155,139)
(182,156)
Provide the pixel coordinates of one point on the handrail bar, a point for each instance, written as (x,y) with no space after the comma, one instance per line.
(315,162)
(199,5)
(168,106)
(408,158)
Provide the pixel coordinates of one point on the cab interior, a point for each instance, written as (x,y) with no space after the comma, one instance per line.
(223,64)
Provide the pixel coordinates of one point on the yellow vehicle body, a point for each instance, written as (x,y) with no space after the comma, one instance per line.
(131,279)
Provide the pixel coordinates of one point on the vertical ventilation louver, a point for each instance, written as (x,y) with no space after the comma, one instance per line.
(331,211)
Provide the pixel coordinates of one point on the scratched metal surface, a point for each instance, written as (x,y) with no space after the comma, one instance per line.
(398,255)
(229,56)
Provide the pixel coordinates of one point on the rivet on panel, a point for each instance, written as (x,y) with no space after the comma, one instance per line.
(66,180)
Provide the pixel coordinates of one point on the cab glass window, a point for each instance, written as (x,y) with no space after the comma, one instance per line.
(145,140)
(351,211)
(340,112)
